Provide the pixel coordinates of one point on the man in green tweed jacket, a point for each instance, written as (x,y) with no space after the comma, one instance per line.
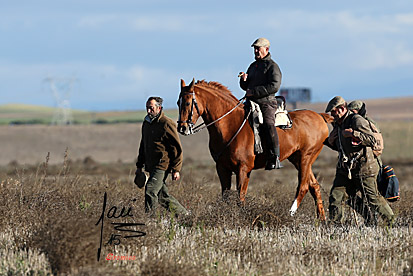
(160,153)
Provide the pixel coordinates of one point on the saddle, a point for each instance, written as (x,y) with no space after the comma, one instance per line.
(282,120)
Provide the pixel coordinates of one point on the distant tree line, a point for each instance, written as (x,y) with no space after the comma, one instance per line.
(99,121)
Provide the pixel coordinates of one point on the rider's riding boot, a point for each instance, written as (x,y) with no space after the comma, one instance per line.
(273,161)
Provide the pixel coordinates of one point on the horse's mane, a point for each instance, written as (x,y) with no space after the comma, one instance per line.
(217,87)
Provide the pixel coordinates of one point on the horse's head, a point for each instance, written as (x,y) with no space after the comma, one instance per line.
(188,108)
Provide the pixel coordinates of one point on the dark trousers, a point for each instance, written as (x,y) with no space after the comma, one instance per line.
(344,189)
(156,192)
(268,112)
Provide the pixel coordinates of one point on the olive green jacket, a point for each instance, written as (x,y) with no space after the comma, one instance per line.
(356,148)
(160,147)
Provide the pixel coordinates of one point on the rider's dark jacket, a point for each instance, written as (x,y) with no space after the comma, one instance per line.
(264,79)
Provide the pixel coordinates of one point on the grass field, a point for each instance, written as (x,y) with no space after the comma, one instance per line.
(52,200)
(49,215)
(17,114)
(381,109)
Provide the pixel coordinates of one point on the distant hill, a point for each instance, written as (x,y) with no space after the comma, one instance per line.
(30,114)
(378,109)
(24,108)
(33,114)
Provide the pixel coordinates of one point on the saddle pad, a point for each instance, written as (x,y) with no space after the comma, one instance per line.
(282,119)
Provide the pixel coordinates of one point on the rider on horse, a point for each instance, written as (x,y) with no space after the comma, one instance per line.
(261,82)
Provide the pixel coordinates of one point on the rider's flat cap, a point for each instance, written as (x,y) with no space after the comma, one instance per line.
(334,102)
(355,105)
(261,42)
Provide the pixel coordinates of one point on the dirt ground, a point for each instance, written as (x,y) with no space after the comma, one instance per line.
(104,143)
(386,109)
(30,144)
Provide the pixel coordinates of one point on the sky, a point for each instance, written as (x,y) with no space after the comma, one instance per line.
(112,55)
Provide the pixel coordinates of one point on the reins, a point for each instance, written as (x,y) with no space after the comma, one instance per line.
(203,125)
(216,156)
(223,116)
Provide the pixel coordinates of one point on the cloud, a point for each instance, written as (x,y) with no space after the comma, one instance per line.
(348,39)
(388,56)
(404,19)
(97,20)
(157,22)
(347,22)
(15,71)
(171,23)
(365,24)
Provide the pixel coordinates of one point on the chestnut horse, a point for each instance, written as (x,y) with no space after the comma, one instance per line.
(231,140)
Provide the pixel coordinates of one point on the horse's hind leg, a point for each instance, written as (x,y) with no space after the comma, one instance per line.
(302,189)
(316,193)
(295,159)
(315,188)
(306,181)
(303,165)
(243,177)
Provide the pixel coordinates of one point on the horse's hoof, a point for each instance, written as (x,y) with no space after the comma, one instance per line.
(294,208)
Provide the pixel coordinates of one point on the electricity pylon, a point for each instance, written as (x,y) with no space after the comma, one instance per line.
(61,89)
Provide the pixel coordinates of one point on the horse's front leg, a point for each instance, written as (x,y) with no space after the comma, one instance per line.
(243,178)
(224,177)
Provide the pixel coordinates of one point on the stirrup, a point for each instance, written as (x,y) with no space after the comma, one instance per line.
(273,163)
(278,163)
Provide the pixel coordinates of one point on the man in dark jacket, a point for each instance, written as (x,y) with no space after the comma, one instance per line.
(261,82)
(160,153)
(357,167)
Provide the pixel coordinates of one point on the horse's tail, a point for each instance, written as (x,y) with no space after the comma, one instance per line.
(327,118)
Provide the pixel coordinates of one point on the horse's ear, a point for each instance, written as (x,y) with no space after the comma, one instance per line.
(182,83)
(192,84)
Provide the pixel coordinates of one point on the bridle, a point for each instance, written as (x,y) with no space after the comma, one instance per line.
(202,126)
(192,129)
(189,121)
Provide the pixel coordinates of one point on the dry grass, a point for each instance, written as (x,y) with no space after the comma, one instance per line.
(49,214)
(49,211)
